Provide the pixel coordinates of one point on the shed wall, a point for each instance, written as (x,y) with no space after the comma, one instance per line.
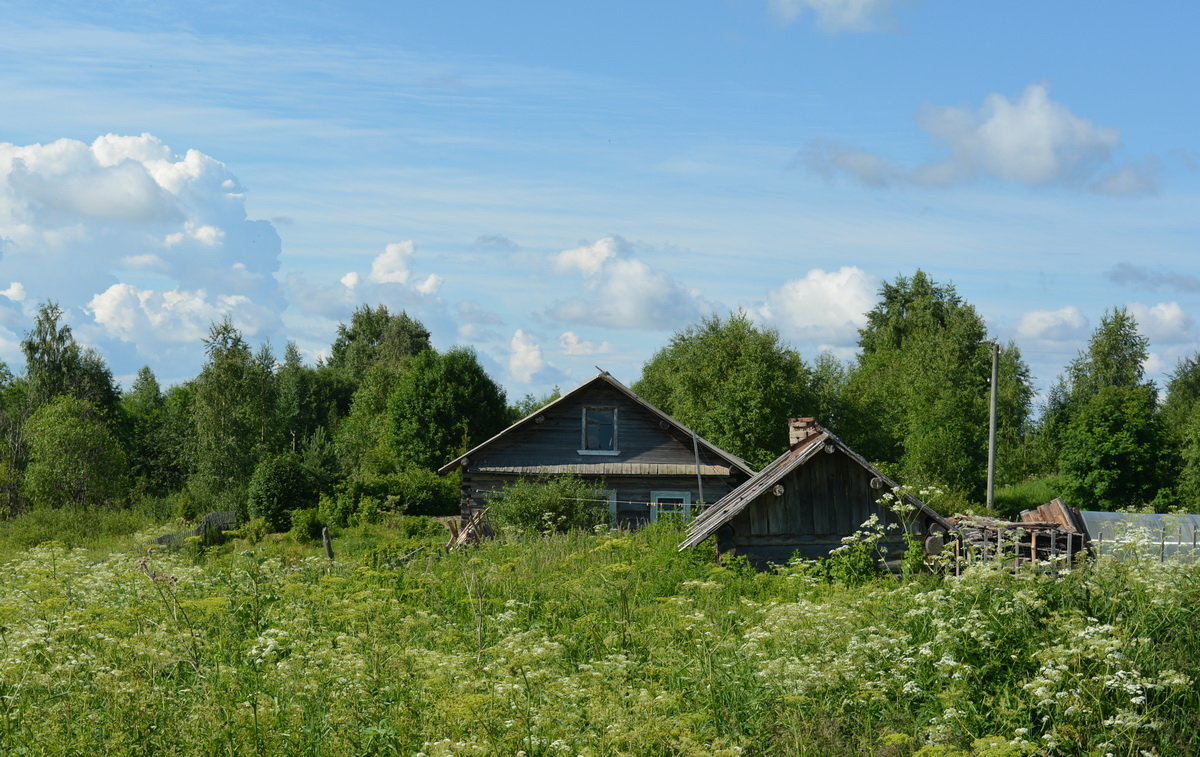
(824,500)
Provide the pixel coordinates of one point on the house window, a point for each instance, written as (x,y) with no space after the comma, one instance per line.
(670,504)
(599,435)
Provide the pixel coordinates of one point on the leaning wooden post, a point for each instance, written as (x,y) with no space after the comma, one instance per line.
(1162,546)
(1033,548)
(327,542)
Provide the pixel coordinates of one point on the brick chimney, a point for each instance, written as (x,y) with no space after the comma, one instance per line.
(800,429)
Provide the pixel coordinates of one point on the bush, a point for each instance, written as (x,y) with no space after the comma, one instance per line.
(278,486)
(415,491)
(553,504)
(306,525)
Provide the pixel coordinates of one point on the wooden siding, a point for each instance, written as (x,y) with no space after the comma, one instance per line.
(641,437)
(824,500)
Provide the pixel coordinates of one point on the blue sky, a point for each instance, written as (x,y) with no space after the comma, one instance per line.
(565,185)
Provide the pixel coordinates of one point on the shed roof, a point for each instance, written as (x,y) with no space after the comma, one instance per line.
(726,508)
(604,378)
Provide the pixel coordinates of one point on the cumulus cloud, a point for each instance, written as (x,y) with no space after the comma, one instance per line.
(1164,323)
(15,292)
(1127,274)
(834,15)
(388,281)
(147,318)
(77,217)
(622,291)
(826,307)
(1064,324)
(1032,140)
(570,343)
(525,357)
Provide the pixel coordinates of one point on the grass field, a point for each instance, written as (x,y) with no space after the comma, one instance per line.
(579,644)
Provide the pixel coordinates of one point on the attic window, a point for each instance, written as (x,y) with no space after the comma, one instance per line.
(599,433)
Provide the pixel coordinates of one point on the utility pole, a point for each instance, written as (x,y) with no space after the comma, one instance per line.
(991,474)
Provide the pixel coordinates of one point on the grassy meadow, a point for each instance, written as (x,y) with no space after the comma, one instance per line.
(597,644)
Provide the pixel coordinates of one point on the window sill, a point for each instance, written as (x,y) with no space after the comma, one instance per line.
(610,452)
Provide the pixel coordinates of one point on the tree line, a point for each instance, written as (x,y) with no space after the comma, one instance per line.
(915,400)
(364,430)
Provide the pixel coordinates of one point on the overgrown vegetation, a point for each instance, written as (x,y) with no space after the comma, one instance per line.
(584,644)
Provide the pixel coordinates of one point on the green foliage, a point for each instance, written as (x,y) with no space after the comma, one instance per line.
(1113,359)
(232,412)
(376,337)
(154,442)
(552,504)
(443,405)
(306,525)
(74,459)
(56,365)
(97,531)
(608,644)
(733,383)
(919,394)
(530,404)
(279,485)
(363,441)
(1111,456)
(415,491)
(1026,495)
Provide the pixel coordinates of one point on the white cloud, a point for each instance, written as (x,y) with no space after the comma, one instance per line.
(623,292)
(431,284)
(525,357)
(1062,325)
(589,259)
(15,292)
(389,282)
(827,307)
(834,15)
(1164,323)
(570,343)
(77,218)
(1032,140)
(391,266)
(146,317)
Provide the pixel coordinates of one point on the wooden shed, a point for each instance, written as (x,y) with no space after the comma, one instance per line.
(805,502)
(650,463)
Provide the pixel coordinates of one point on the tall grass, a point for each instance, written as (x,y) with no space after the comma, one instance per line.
(585,644)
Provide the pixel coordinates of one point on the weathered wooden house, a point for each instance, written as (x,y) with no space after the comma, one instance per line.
(650,463)
(805,502)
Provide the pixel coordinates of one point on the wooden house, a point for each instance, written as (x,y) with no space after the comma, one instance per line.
(650,464)
(805,502)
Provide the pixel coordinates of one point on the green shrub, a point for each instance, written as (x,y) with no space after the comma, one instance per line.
(254,530)
(306,525)
(370,510)
(279,485)
(415,491)
(553,504)
(337,509)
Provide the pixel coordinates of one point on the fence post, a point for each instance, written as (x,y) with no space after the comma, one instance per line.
(327,542)
(1162,546)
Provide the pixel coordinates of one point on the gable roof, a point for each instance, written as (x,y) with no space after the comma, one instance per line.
(724,509)
(601,379)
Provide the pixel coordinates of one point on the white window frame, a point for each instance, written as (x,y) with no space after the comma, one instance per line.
(583,450)
(656,510)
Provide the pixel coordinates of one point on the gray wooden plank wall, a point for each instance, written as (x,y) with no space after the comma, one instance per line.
(556,440)
(825,499)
